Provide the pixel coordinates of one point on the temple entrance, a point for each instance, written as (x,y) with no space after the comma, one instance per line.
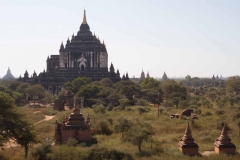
(82,67)
(64,101)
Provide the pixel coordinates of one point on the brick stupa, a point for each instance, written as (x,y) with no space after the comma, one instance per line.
(223,143)
(187,145)
(73,126)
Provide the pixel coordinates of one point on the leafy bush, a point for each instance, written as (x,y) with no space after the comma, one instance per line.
(198,111)
(71,142)
(49,111)
(143,110)
(99,109)
(105,153)
(219,112)
(124,103)
(168,103)
(144,154)
(236,116)
(42,152)
(64,152)
(129,109)
(142,102)
(110,107)
(183,104)
(207,114)
(103,128)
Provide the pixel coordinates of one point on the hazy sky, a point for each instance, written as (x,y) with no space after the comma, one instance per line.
(180,37)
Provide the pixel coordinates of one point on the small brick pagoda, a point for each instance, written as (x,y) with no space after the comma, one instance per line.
(74,126)
(187,145)
(223,143)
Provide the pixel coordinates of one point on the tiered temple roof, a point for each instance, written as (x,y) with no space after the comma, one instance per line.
(223,143)
(187,144)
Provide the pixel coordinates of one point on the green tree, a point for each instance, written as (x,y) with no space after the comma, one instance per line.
(42,152)
(13,85)
(90,94)
(13,124)
(113,98)
(77,84)
(124,102)
(106,82)
(153,95)
(150,83)
(127,88)
(212,93)
(35,91)
(102,153)
(170,87)
(47,97)
(22,87)
(103,128)
(233,85)
(89,91)
(137,134)
(123,125)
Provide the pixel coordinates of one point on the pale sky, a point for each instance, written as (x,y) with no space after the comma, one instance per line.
(180,37)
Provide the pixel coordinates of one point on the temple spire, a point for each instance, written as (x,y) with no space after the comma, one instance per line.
(84,18)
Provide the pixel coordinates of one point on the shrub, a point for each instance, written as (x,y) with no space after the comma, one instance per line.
(64,152)
(142,102)
(183,104)
(142,110)
(110,120)
(123,103)
(99,109)
(103,128)
(198,111)
(105,153)
(110,107)
(236,116)
(42,152)
(49,111)
(207,114)
(219,112)
(161,110)
(144,154)
(168,103)
(129,109)
(71,142)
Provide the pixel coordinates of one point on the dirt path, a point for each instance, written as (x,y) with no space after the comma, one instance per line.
(47,118)
(12,143)
(207,153)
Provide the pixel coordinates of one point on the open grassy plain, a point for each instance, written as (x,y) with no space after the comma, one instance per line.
(162,144)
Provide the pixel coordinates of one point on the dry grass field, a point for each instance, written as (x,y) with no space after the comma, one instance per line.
(165,133)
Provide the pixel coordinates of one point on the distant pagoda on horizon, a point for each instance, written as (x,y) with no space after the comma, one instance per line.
(9,75)
(164,77)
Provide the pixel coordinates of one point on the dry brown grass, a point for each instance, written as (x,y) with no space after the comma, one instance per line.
(167,133)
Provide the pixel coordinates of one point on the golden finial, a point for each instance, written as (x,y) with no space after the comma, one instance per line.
(84,18)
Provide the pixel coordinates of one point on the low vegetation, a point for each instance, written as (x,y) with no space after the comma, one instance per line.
(125,128)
